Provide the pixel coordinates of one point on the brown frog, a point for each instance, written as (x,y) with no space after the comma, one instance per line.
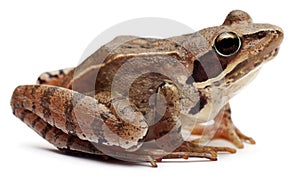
(133,98)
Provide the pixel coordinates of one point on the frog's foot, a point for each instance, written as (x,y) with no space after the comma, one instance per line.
(225,129)
(186,150)
(228,131)
(190,149)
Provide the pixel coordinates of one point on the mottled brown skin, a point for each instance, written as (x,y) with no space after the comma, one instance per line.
(73,108)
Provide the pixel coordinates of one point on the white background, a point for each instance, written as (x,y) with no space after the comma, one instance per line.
(37,37)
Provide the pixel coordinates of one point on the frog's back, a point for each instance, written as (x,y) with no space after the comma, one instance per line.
(130,46)
(107,60)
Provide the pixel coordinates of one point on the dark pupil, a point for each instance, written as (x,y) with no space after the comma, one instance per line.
(227,45)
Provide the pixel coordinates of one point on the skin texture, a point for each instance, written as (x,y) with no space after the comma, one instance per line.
(83,109)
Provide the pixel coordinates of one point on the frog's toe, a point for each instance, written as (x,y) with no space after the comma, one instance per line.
(190,149)
(228,131)
(243,137)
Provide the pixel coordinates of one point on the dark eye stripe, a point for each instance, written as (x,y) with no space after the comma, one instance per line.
(209,66)
(257,35)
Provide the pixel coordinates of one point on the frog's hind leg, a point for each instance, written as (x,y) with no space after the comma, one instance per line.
(225,129)
(74,114)
(67,143)
(53,77)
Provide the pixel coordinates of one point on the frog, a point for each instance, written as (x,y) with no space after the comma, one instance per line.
(86,110)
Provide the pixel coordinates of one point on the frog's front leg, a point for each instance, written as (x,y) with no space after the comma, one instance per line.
(225,129)
(167,131)
(167,128)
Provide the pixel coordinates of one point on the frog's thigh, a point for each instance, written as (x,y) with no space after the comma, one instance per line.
(77,114)
(59,107)
(53,77)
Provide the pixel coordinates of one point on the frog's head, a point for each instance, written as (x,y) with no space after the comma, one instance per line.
(237,50)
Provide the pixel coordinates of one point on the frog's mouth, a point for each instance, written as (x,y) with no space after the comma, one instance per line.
(227,71)
(247,66)
(257,49)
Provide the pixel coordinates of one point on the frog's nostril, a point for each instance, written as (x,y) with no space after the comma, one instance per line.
(276,51)
(262,34)
(278,31)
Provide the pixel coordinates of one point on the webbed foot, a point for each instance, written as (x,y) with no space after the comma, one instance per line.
(225,129)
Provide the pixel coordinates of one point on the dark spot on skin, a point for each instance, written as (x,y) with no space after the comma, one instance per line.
(129,47)
(35,121)
(105,115)
(200,104)
(33,90)
(41,81)
(45,101)
(179,129)
(70,142)
(57,133)
(33,107)
(145,47)
(51,75)
(102,140)
(228,110)
(176,45)
(61,72)
(120,126)
(162,133)
(46,130)
(25,90)
(22,105)
(22,116)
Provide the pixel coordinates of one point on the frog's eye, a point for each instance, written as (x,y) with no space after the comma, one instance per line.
(227,44)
